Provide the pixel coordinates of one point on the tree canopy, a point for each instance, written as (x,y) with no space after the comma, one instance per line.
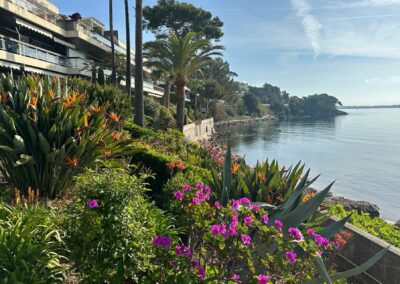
(181,18)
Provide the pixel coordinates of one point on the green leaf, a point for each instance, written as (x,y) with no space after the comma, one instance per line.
(304,211)
(44,145)
(322,270)
(354,271)
(7,149)
(329,231)
(19,144)
(227,176)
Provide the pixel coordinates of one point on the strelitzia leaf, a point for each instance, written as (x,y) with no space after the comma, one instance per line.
(227,176)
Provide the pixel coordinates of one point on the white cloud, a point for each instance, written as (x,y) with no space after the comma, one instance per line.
(362,3)
(389,80)
(311,25)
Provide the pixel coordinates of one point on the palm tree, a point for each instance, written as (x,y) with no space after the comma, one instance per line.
(113,74)
(183,56)
(139,104)
(128,50)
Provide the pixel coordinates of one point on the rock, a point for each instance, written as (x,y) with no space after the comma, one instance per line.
(397,224)
(370,208)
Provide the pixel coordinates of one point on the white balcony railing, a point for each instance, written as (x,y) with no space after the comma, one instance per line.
(25,49)
(36,9)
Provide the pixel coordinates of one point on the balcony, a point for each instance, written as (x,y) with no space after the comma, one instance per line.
(24,49)
(37,10)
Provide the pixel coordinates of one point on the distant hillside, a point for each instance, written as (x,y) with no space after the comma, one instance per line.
(361,107)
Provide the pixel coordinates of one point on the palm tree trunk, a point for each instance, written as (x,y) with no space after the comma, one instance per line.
(139,104)
(166,97)
(180,107)
(128,51)
(113,74)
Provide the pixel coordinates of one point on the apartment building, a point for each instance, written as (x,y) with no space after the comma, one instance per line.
(35,37)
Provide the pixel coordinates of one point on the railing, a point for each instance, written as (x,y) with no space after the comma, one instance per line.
(38,10)
(25,49)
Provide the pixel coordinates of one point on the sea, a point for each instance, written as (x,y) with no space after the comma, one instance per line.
(359,151)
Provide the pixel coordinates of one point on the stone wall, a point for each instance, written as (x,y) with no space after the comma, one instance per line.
(361,247)
(199,130)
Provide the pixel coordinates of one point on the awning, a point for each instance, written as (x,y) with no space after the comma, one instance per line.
(63,42)
(10,65)
(33,28)
(43,72)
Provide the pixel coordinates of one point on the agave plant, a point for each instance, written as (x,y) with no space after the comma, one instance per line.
(293,213)
(48,134)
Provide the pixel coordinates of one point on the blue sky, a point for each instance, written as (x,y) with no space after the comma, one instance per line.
(347,48)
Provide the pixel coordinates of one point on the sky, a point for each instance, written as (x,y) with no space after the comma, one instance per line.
(347,48)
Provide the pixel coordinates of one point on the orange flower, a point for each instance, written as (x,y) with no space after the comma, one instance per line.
(34,101)
(261,177)
(85,120)
(116,136)
(4,98)
(72,161)
(107,154)
(171,165)
(51,93)
(70,100)
(179,165)
(235,168)
(114,117)
(95,109)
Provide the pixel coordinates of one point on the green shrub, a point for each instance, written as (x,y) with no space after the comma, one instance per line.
(159,164)
(107,96)
(375,226)
(48,134)
(139,132)
(111,241)
(30,245)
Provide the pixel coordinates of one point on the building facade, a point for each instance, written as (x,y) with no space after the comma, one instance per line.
(35,37)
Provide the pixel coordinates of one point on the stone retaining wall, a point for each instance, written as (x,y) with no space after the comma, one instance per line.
(363,246)
(199,130)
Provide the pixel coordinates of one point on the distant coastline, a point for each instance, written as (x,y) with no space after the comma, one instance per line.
(366,107)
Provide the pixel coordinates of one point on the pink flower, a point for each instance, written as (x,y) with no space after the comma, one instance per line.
(236,278)
(196,201)
(321,241)
(215,230)
(310,232)
(246,239)
(248,220)
(179,195)
(195,263)
(183,251)
(262,279)
(186,187)
(295,233)
(207,190)
(235,204)
(255,208)
(279,225)
(200,186)
(162,241)
(232,230)
(217,205)
(245,200)
(291,256)
(319,252)
(92,204)
(201,273)
(265,219)
(223,230)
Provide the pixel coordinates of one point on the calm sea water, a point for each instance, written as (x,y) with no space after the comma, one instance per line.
(361,151)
